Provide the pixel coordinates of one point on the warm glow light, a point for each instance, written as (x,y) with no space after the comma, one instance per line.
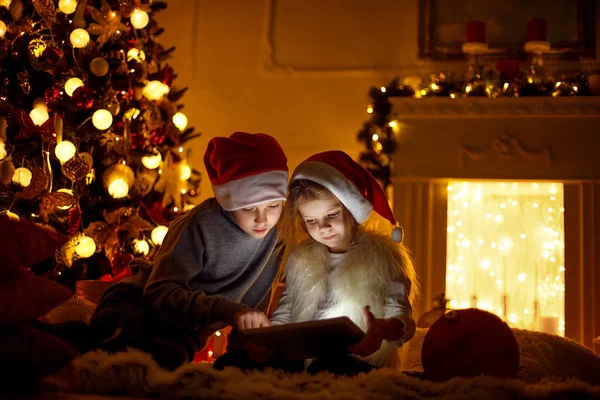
(39,115)
(118,188)
(152,162)
(72,84)
(521,266)
(2,29)
(141,247)
(79,38)
(154,90)
(180,121)
(22,176)
(64,151)
(67,6)
(158,234)
(102,119)
(186,172)
(139,19)
(136,55)
(86,247)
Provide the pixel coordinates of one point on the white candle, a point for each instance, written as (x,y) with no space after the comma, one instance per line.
(549,325)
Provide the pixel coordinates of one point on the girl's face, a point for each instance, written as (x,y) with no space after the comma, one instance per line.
(324,222)
(257,221)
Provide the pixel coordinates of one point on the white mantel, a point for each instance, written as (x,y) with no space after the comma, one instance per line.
(528,138)
(481,107)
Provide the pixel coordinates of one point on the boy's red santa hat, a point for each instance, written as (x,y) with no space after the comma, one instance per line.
(353,185)
(246,169)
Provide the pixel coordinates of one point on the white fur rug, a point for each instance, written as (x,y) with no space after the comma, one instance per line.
(551,368)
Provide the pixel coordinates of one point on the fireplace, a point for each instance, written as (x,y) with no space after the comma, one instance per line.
(504,192)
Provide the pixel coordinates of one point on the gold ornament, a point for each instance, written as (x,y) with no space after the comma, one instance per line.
(99,66)
(141,247)
(144,182)
(36,47)
(10,215)
(76,168)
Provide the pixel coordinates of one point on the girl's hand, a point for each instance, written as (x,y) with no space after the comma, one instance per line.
(248,318)
(372,340)
(378,329)
(258,353)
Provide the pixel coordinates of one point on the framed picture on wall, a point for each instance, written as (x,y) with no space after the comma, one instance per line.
(570,26)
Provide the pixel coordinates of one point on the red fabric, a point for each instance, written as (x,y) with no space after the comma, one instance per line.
(468,343)
(366,184)
(25,296)
(241,155)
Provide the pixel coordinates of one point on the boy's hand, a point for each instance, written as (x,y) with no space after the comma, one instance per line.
(248,318)
(378,329)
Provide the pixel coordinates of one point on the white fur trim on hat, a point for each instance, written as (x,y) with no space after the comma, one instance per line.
(252,190)
(334,181)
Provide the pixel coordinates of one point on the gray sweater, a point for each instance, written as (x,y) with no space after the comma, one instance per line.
(207,269)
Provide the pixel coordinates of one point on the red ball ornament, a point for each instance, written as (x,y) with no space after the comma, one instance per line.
(84,97)
(157,137)
(468,343)
(139,142)
(51,96)
(120,261)
(51,56)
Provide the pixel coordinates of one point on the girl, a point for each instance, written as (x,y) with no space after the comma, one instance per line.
(344,268)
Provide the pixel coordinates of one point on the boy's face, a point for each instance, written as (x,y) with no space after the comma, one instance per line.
(258,220)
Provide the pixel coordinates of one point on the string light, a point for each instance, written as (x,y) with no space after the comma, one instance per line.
(518,265)
(158,234)
(102,119)
(71,85)
(79,38)
(86,247)
(67,6)
(180,121)
(139,19)
(22,176)
(64,151)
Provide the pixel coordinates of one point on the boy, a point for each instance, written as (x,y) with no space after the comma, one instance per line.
(216,265)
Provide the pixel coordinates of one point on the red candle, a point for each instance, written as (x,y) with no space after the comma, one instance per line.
(476,31)
(537,30)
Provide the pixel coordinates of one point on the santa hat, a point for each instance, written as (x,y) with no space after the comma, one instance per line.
(246,169)
(353,185)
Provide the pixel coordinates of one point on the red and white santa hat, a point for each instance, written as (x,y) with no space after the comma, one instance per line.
(353,185)
(246,169)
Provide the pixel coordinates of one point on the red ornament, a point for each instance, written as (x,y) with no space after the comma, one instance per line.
(51,96)
(167,75)
(139,142)
(74,220)
(468,343)
(120,261)
(157,137)
(84,97)
(51,56)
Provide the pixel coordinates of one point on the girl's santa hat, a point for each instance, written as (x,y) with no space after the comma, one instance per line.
(353,185)
(246,169)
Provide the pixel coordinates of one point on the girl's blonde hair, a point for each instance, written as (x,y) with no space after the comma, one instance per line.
(293,228)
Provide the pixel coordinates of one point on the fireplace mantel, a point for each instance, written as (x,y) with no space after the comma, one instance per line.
(507,139)
(481,107)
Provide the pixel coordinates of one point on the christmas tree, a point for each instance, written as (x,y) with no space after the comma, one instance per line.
(91,133)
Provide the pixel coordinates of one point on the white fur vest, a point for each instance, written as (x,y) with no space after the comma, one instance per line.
(372,261)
